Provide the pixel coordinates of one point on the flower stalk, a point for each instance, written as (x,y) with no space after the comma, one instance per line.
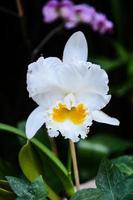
(75,165)
(45,40)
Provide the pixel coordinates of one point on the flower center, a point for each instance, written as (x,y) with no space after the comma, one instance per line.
(75,114)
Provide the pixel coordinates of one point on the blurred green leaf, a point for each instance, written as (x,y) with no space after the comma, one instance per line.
(123,88)
(125,164)
(121,51)
(130,66)
(108,64)
(104,143)
(59,168)
(5,191)
(6,168)
(26,190)
(28,160)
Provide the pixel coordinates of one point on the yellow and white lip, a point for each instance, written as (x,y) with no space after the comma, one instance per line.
(75,115)
(72,122)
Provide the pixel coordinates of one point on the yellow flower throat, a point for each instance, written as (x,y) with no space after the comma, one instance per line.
(75,114)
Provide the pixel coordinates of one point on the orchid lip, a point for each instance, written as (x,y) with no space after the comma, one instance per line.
(76,114)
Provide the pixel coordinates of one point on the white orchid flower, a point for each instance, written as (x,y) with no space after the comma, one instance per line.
(70,93)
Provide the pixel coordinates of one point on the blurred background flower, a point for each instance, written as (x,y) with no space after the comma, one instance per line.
(73,14)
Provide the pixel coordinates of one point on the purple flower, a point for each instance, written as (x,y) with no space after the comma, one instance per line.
(50,11)
(88,15)
(66,9)
(101,23)
(73,14)
(84,13)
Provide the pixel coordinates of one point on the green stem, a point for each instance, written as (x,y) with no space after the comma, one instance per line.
(45,40)
(8,12)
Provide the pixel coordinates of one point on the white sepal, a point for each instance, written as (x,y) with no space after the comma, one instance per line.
(34,122)
(76,48)
(101,117)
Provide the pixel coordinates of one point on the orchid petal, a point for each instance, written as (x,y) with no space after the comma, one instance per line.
(96,80)
(75,48)
(101,117)
(34,122)
(93,101)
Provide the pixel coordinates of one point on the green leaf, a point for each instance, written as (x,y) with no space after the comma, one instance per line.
(26,190)
(125,164)
(39,188)
(91,151)
(6,195)
(112,182)
(88,194)
(108,64)
(59,168)
(108,176)
(124,189)
(5,191)
(111,185)
(28,160)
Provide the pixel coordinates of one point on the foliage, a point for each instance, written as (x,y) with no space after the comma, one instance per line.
(111,184)
(59,168)
(92,150)
(125,164)
(26,190)
(112,176)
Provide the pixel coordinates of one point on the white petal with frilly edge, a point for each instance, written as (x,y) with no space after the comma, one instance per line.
(92,100)
(41,75)
(68,129)
(96,80)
